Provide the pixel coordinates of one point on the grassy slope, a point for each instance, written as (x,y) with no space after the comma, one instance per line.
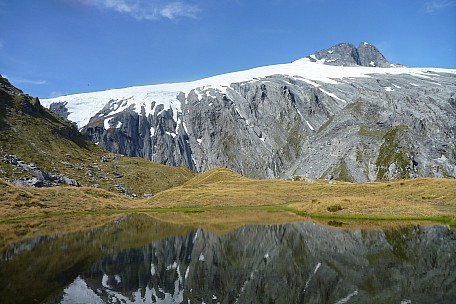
(221,188)
(35,135)
(405,198)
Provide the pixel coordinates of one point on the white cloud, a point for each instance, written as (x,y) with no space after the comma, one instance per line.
(147,9)
(55,94)
(437,5)
(26,81)
(178,9)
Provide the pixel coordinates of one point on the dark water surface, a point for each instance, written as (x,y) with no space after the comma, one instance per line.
(136,259)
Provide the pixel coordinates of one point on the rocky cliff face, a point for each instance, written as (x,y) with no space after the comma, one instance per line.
(346,54)
(343,113)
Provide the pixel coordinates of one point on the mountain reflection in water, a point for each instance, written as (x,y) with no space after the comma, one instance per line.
(137,259)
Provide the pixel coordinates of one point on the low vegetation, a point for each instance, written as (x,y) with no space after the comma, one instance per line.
(221,189)
(423,197)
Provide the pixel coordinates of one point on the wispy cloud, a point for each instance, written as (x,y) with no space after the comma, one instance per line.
(433,6)
(25,81)
(147,9)
(55,94)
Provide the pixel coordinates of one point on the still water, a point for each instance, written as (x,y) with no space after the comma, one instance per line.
(137,259)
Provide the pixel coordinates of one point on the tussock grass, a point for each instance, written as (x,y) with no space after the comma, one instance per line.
(423,197)
(225,191)
(26,202)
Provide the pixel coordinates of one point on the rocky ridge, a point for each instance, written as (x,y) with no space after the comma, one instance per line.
(343,113)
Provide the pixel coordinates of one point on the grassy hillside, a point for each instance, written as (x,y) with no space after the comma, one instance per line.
(35,135)
(226,195)
(404,198)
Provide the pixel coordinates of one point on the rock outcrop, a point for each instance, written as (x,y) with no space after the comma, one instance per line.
(36,176)
(346,54)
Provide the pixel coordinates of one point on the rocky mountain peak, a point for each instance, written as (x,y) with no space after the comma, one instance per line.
(346,54)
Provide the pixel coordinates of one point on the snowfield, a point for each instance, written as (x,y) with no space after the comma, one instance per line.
(84,106)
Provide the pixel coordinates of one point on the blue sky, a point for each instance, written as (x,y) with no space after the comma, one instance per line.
(54,47)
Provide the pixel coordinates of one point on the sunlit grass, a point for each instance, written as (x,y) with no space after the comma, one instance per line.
(224,191)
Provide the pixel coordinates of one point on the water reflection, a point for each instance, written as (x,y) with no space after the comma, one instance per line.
(136,259)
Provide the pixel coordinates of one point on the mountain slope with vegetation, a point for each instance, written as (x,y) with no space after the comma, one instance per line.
(39,148)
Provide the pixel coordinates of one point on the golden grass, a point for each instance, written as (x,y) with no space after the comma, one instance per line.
(226,220)
(220,188)
(14,232)
(423,197)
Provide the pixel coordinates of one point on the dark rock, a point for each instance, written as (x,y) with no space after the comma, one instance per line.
(31,182)
(346,54)
(64,180)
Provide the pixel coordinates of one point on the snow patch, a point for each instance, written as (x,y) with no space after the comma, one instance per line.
(389,89)
(187,272)
(201,257)
(309,125)
(172,266)
(118,278)
(372,63)
(237,111)
(199,140)
(312,275)
(106,123)
(171,134)
(330,51)
(413,84)
(332,95)
(396,86)
(153,271)
(347,298)
(104,281)
(310,82)
(196,235)
(79,292)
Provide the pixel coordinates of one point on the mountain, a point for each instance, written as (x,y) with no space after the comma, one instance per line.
(40,149)
(343,113)
(346,54)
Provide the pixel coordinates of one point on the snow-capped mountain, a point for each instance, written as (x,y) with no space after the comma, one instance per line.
(344,112)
